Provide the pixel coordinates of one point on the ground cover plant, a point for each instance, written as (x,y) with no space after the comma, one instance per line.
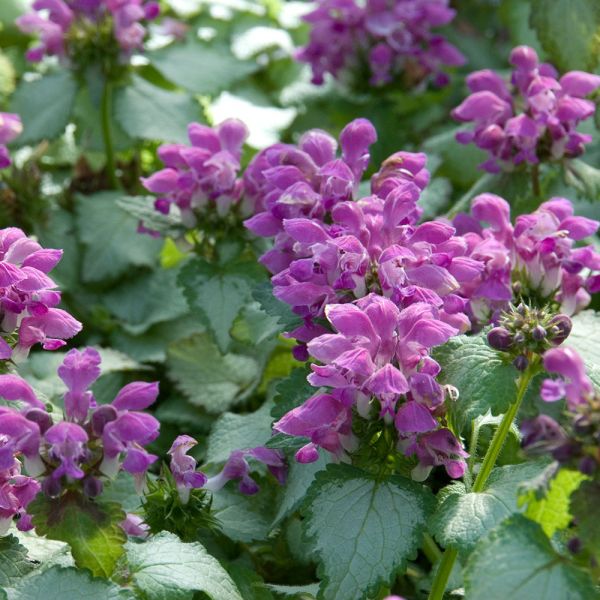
(299,300)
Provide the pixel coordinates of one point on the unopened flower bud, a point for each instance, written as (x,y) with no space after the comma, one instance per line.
(102,415)
(587,465)
(500,339)
(92,487)
(52,487)
(574,545)
(520,363)
(41,417)
(561,327)
(519,338)
(538,333)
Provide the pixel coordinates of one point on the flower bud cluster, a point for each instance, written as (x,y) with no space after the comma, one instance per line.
(28,297)
(395,38)
(80,30)
(523,331)
(533,119)
(93,442)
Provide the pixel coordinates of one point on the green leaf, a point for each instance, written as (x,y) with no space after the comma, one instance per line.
(584,506)
(517,561)
(552,511)
(263,294)
(91,529)
(147,112)
(218,292)
(242,518)
(300,478)
(584,178)
(363,530)
(483,380)
(44,106)
(208,378)
(151,346)
(569,31)
(146,300)
(111,242)
(462,518)
(165,568)
(292,392)
(585,336)
(298,592)
(201,68)
(233,432)
(14,564)
(250,584)
(59,583)
(142,208)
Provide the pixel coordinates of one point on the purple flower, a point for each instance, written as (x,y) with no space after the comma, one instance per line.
(57,22)
(10,128)
(19,435)
(535,118)
(574,384)
(183,467)
(28,297)
(396,38)
(238,467)
(78,371)
(133,525)
(201,177)
(68,445)
(326,421)
(12,387)
(434,449)
(16,492)
(539,251)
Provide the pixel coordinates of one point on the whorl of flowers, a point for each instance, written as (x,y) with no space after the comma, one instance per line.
(576,444)
(63,25)
(202,176)
(537,259)
(387,38)
(379,356)
(330,248)
(28,297)
(532,119)
(10,128)
(93,442)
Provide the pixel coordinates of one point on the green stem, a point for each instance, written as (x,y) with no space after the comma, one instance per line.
(106,111)
(431,549)
(450,554)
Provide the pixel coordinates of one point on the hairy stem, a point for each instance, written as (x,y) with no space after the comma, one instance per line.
(106,111)
(450,554)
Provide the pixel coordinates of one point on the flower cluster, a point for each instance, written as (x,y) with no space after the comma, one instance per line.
(331,248)
(533,119)
(577,444)
(64,25)
(387,38)
(379,356)
(10,128)
(202,176)
(92,443)
(187,477)
(536,259)
(28,297)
